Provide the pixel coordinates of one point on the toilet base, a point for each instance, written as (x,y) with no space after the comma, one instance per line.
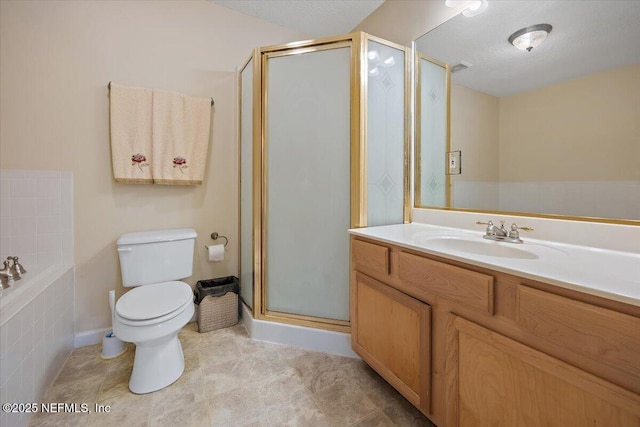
(157,364)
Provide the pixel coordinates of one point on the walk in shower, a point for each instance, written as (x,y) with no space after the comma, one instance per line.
(323,148)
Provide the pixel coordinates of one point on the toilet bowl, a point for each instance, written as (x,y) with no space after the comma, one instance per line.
(152,313)
(151,317)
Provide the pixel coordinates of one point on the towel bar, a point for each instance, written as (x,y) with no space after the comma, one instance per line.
(212,101)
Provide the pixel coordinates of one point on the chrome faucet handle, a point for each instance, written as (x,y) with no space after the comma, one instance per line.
(17,268)
(5,271)
(6,277)
(514,226)
(514,234)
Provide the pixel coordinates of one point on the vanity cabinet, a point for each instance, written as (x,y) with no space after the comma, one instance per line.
(391,332)
(470,346)
(496,381)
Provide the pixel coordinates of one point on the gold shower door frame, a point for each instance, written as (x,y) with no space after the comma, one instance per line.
(357,42)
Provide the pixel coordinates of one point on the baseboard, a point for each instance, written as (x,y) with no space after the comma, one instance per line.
(313,339)
(85,338)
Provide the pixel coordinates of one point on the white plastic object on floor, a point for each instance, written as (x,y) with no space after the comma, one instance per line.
(112,346)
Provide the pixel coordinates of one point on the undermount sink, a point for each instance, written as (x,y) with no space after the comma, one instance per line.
(478,247)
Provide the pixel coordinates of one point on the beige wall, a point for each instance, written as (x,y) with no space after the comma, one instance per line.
(585,129)
(475,117)
(403,21)
(56,60)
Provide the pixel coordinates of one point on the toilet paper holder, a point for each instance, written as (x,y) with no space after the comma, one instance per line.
(216,236)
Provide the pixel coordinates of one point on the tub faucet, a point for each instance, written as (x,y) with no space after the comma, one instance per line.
(501,234)
(16,269)
(6,277)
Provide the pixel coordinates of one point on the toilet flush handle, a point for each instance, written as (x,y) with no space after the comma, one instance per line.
(124,249)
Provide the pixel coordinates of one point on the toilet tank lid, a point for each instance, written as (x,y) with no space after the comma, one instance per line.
(156,236)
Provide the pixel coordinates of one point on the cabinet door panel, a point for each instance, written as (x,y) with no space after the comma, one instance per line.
(391,332)
(500,382)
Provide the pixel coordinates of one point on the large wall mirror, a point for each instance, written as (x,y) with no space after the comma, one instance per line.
(550,131)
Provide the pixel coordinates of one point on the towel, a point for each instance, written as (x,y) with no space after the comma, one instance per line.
(181,126)
(130,117)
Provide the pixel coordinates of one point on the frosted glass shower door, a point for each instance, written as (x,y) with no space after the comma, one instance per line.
(307,181)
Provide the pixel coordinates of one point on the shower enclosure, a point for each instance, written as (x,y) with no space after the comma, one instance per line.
(323,148)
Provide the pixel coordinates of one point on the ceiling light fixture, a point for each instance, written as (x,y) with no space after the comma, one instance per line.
(475,7)
(529,37)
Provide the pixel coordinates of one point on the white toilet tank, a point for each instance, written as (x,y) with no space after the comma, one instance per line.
(156,256)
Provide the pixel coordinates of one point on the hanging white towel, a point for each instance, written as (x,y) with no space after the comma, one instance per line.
(181,126)
(130,121)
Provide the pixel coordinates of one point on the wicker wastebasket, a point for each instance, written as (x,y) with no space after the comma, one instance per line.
(217,303)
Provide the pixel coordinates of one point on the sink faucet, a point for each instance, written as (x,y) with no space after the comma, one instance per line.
(501,234)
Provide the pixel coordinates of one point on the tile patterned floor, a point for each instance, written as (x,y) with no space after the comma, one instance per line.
(231,380)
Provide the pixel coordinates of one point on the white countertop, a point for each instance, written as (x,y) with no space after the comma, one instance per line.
(605,273)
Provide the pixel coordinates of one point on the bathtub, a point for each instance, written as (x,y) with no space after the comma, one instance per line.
(36,334)
(37,279)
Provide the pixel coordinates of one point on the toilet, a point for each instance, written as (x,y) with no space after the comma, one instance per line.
(152,313)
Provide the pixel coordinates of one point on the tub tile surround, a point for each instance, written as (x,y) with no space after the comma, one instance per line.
(34,344)
(36,216)
(230,379)
(36,312)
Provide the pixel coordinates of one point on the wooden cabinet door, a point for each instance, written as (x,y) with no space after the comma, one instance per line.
(495,381)
(391,332)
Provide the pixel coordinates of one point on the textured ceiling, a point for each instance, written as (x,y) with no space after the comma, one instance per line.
(318,18)
(587,37)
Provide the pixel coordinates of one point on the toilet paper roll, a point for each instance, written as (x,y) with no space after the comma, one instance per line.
(216,253)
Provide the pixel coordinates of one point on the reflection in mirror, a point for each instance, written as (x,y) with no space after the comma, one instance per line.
(550,131)
(432,95)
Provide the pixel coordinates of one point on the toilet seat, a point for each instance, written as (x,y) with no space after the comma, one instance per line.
(154,303)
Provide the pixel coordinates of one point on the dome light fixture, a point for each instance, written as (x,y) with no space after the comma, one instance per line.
(529,37)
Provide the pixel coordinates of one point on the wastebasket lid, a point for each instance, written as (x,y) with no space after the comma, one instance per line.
(151,301)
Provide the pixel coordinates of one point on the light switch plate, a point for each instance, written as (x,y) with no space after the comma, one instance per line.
(454,163)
